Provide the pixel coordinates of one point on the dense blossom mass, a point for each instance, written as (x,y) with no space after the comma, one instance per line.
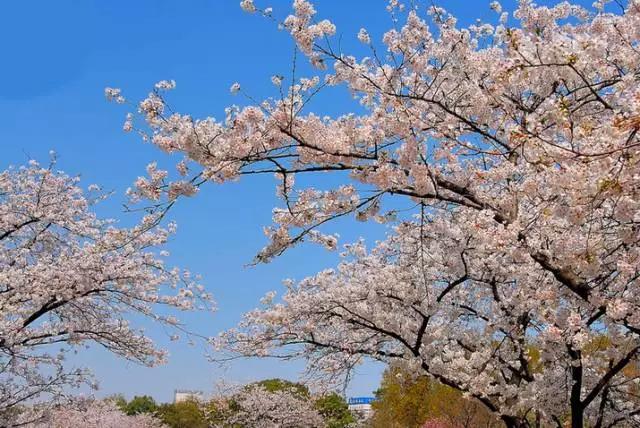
(96,414)
(68,278)
(256,406)
(516,145)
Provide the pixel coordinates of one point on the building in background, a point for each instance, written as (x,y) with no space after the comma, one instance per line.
(187,395)
(361,407)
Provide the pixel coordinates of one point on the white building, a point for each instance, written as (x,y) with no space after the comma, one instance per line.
(187,395)
(360,407)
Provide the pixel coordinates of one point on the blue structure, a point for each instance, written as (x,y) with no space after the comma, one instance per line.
(360,400)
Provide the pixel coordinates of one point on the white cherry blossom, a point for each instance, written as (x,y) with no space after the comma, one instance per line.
(517,148)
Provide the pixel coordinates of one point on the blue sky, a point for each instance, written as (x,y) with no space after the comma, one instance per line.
(57,59)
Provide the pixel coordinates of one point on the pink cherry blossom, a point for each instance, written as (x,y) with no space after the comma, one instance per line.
(69,278)
(511,156)
(255,406)
(95,414)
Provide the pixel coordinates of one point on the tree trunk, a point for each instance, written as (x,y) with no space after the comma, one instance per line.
(575,400)
(577,417)
(515,422)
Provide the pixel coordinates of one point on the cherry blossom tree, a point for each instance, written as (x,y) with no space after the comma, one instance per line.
(256,406)
(514,145)
(68,278)
(436,423)
(96,414)
(468,327)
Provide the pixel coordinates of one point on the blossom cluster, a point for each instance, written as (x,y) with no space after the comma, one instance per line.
(256,406)
(95,414)
(517,147)
(69,278)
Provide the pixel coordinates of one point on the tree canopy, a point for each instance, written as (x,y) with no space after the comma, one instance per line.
(510,150)
(405,400)
(67,279)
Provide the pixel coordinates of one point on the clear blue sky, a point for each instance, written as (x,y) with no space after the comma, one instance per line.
(57,58)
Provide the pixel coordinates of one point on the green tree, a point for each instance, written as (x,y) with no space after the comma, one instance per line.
(185,414)
(407,401)
(118,400)
(273,385)
(141,404)
(335,411)
(400,401)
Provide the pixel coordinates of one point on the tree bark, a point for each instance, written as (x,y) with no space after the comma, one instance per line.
(577,409)
(577,417)
(514,422)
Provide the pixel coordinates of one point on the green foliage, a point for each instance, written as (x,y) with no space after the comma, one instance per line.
(400,401)
(118,400)
(217,412)
(192,414)
(140,404)
(273,385)
(406,401)
(185,414)
(335,411)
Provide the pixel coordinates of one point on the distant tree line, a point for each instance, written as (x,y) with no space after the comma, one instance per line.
(274,402)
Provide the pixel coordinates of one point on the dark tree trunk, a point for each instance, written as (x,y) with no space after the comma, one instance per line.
(577,417)
(514,422)
(577,408)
